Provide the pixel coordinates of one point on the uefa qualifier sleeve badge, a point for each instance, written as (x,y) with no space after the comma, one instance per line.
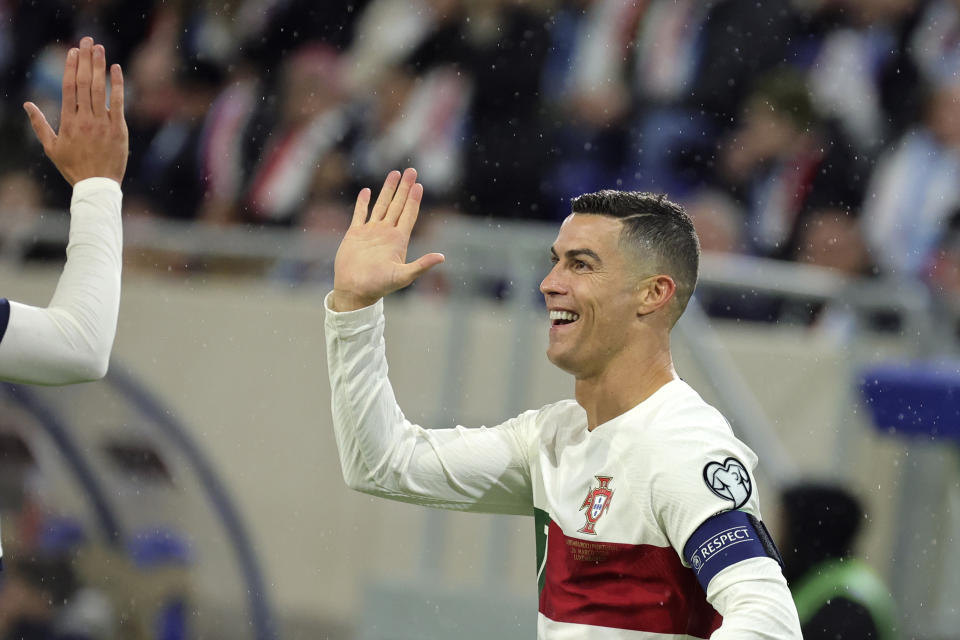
(729,480)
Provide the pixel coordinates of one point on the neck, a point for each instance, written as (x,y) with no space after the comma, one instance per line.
(624,384)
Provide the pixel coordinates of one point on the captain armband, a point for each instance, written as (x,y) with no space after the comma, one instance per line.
(724,540)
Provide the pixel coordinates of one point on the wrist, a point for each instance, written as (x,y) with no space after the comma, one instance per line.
(345,301)
(96,182)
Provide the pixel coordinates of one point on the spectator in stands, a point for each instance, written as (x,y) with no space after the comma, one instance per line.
(44,596)
(228,137)
(838,597)
(29,27)
(934,44)
(391,30)
(718,220)
(153,101)
(324,220)
(275,33)
(585,76)
(172,169)
(695,65)
(414,56)
(785,163)
(309,120)
(915,188)
(417,118)
(832,238)
(26,600)
(862,74)
(505,45)
(743,40)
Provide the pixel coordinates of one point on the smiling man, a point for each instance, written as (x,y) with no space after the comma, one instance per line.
(646,512)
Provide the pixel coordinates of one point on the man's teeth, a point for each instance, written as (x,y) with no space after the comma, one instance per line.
(564,315)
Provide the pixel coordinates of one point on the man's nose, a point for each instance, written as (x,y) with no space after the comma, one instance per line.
(551,283)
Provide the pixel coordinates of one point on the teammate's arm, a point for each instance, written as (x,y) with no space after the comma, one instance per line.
(381,452)
(70,340)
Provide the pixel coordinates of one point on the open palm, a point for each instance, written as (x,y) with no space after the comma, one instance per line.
(93,138)
(372,259)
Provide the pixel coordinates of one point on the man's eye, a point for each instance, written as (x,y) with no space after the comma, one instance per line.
(579,265)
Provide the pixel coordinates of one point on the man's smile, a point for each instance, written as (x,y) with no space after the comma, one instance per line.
(562,316)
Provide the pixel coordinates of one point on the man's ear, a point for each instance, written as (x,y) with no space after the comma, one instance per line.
(654,293)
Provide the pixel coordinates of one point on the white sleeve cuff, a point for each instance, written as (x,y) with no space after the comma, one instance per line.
(352,321)
(85,187)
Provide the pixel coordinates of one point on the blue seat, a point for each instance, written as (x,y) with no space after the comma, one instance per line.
(919,399)
(158,548)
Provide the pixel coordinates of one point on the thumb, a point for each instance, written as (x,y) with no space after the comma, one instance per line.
(41,127)
(421,265)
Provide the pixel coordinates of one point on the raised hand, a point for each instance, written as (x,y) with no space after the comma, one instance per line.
(93,139)
(372,259)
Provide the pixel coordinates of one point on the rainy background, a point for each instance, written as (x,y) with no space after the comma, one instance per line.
(196,492)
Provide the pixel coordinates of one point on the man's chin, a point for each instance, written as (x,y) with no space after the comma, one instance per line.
(560,360)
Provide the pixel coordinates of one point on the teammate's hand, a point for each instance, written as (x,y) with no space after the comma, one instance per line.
(372,259)
(92,141)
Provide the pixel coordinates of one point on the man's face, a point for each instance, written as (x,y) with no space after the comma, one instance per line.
(591,294)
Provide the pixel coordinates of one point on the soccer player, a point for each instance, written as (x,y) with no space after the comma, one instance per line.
(645,505)
(70,340)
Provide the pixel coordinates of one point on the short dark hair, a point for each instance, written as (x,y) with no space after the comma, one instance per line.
(655,229)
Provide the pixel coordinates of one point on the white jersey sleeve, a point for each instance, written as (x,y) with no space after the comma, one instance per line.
(384,454)
(755,602)
(707,471)
(70,340)
(710,472)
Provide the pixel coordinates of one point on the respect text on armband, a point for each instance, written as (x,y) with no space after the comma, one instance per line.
(720,542)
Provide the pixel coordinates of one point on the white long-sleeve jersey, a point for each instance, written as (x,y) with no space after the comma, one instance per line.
(626,515)
(70,340)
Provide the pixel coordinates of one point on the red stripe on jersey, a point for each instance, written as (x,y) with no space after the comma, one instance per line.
(625,586)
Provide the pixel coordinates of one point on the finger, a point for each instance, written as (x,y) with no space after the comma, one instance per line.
(116,92)
(360,209)
(399,200)
(41,127)
(84,75)
(411,210)
(386,194)
(98,84)
(68,98)
(420,266)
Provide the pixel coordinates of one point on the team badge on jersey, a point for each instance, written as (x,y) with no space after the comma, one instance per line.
(729,480)
(596,504)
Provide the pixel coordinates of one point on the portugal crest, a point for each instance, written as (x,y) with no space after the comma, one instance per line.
(596,504)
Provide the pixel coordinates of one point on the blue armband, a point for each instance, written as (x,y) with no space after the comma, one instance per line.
(724,540)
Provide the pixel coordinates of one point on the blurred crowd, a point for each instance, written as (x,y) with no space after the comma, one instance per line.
(820,131)
(61,579)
